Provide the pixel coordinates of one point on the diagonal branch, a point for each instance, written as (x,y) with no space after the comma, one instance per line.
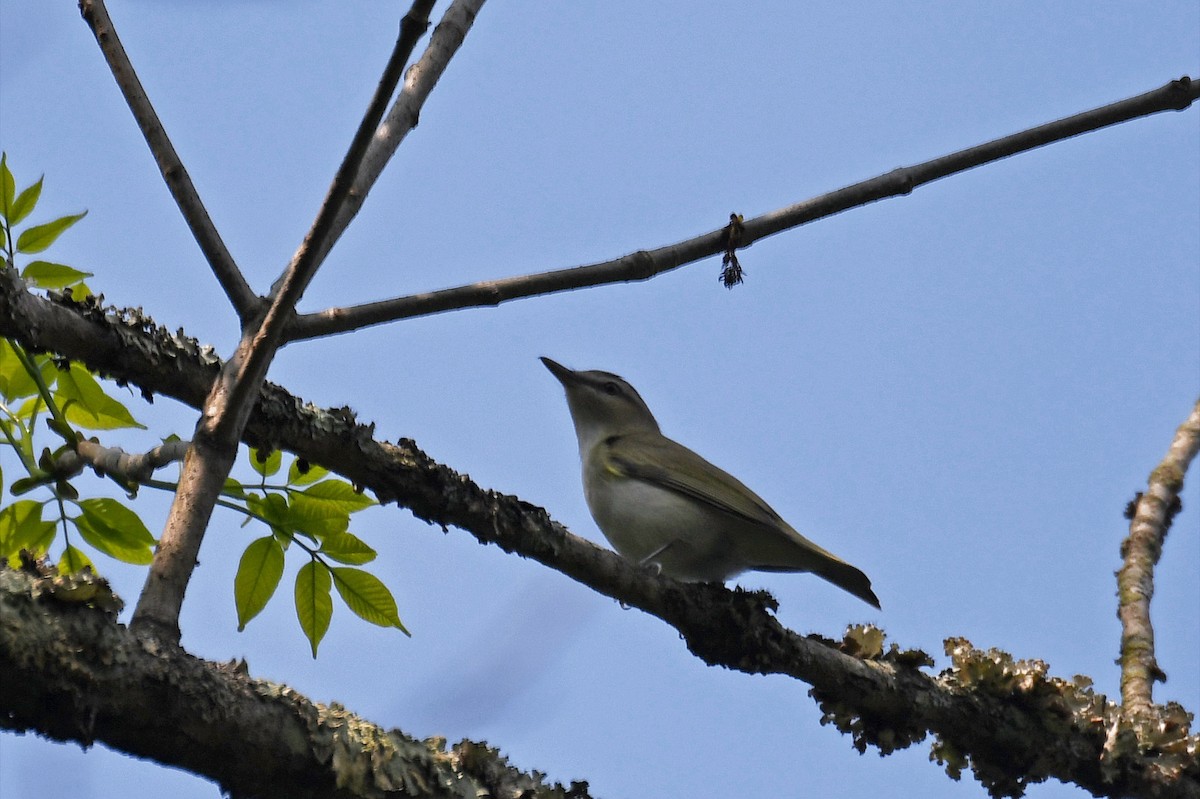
(1150,519)
(1013,723)
(179,183)
(644,264)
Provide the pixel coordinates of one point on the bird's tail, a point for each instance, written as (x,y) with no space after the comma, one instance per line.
(848,578)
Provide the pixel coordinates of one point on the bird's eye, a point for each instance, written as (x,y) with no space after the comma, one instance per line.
(611,389)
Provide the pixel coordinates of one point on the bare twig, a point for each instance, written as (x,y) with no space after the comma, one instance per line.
(644,264)
(232,396)
(244,302)
(1149,521)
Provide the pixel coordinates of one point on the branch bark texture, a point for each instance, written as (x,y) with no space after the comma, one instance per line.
(419,81)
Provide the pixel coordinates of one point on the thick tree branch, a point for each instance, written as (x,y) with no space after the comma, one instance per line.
(1150,520)
(1007,720)
(70,672)
(229,402)
(644,264)
(240,295)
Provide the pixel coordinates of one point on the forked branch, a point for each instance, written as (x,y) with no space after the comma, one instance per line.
(233,394)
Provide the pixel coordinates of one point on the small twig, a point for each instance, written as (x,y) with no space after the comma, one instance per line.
(644,264)
(1150,519)
(244,302)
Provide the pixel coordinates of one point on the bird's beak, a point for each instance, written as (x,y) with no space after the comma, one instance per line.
(565,376)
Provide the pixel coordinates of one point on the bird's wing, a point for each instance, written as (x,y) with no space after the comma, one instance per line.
(646,457)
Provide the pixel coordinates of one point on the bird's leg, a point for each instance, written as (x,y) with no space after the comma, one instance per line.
(649,560)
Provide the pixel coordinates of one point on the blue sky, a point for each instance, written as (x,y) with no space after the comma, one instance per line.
(958,390)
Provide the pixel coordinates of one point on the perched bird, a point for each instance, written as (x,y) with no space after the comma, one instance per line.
(658,503)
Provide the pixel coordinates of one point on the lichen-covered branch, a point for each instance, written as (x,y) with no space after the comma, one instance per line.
(68,671)
(645,264)
(1150,519)
(1008,721)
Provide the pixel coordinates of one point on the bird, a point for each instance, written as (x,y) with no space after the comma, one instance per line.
(663,506)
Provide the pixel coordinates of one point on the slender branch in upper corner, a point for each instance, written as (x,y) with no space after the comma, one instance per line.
(240,295)
(319,239)
(418,83)
(1150,518)
(1176,95)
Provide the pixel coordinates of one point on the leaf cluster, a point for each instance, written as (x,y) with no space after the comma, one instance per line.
(310,509)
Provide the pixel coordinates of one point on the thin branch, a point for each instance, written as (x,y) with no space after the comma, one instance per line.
(229,402)
(1176,95)
(1009,719)
(1150,520)
(418,83)
(240,295)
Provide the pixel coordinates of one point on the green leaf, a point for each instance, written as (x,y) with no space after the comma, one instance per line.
(21,527)
(115,530)
(273,508)
(73,560)
(80,291)
(258,576)
(233,488)
(265,463)
(85,403)
(297,477)
(314,606)
(337,495)
(39,237)
(47,275)
(317,518)
(367,596)
(25,202)
(347,548)
(15,381)
(8,186)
